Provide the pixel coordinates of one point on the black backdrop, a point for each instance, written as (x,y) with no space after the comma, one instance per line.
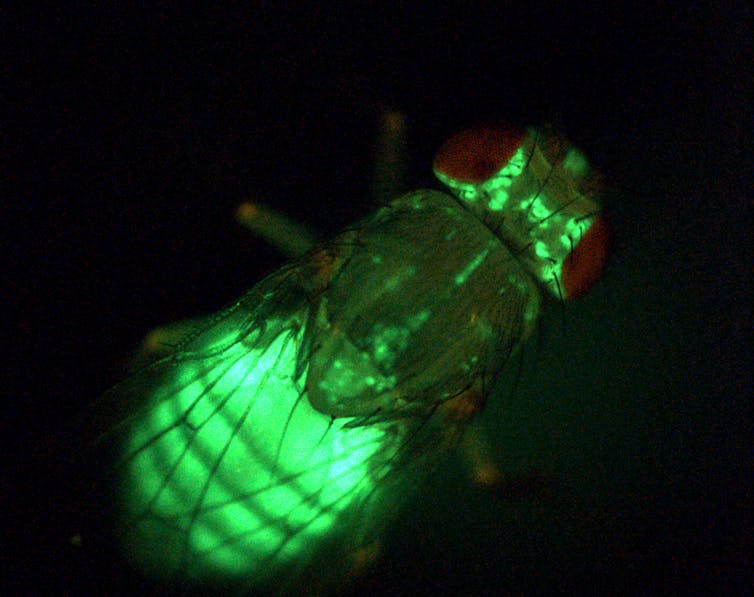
(133,136)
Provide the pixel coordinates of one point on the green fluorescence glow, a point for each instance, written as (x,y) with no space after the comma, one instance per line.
(575,162)
(494,188)
(531,311)
(418,320)
(469,364)
(357,370)
(573,230)
(397,280)
(465,191)
(538,209)
(538,204)
(498,200)
(233,474)
(515,165)
(515,282)
(460,278)
(390,341)
(541,249)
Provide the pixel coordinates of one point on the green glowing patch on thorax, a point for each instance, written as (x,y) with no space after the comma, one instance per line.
(461,277)
(389,341)
(397,340)
(493,193)
(535,203)
(576,162)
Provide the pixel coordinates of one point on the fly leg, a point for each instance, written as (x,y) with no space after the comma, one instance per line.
(477,457)
(362,560)
(458,416)
(289,237)
(388,181)
(390,170)
(162,341)
(485,473)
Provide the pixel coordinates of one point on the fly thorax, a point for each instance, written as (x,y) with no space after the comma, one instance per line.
(538,194)
(430,303)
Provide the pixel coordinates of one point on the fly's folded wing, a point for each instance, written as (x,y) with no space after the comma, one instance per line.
(225,472)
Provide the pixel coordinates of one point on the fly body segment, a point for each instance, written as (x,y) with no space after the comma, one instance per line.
(271,445)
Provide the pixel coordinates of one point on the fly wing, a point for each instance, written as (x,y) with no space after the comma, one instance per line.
(199,348)
(225,471)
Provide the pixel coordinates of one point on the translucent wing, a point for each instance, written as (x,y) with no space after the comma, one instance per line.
(226,471)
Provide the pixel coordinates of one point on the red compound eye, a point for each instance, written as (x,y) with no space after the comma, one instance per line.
(583,267)
(476,154)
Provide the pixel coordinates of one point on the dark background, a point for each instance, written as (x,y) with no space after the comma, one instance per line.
(132,138)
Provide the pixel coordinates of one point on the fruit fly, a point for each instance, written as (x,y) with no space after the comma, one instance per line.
(271,444)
